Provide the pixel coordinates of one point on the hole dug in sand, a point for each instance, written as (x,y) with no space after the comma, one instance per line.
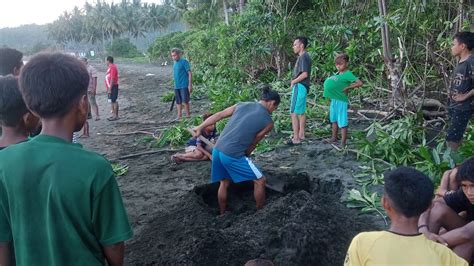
(304,225)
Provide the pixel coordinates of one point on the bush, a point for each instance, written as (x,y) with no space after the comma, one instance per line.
(123,48)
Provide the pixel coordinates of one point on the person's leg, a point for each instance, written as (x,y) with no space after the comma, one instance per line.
(259,192)
(85,130)
(458,121)
(222,195)
(185,95)
(116,110)
(465,251)
(180,112)
(343,136)
(334,132)
(94,107)
(188,114)
(296,126)
(442,215)
(178,100)
(302,123)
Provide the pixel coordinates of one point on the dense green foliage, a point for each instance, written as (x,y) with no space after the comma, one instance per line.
(123,48)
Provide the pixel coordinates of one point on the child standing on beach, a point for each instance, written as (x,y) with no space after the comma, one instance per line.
(337,88)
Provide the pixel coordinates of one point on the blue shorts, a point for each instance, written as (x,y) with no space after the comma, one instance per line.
(338,113)
(238,169)
(298,99)
(181,95)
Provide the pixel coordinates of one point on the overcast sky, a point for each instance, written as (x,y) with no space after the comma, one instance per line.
(19,12)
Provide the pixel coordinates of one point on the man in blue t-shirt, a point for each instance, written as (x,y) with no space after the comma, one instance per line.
(182,81)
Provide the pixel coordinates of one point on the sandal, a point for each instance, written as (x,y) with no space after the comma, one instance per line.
(290,142)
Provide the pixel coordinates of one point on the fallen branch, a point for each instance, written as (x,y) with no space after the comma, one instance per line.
(126,133)
(148,122)
(145,153)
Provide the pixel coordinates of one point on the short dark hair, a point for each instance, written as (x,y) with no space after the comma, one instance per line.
(9,59)
(110,59)
(12,106)
(206,116)
(269,95)
(303,40)
(342,56)
(52,82)
(466,171)
(465,37)
(410,190)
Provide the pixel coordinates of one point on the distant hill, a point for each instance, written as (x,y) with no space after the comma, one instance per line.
(33,38)
(26,38)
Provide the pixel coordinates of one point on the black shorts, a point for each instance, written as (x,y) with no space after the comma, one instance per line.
(113,95)
(181,95)
(458,120)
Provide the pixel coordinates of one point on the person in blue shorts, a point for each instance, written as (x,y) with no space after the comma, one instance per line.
(299,89)
(249,123)
(183,81)
(337,88)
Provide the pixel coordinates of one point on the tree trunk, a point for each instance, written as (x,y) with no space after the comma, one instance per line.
(241,6)
(460,16)
(394,65)
(226,14)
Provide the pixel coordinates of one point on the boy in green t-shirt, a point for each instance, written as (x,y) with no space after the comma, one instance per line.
(59,204)
(336,88)
(16,121)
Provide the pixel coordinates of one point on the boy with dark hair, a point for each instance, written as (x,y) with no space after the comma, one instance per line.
(66,195)
(337,88)
(112,87)
(299,85)
(460,108)
(408,193)
(16,121)
(445,213)
(10,61)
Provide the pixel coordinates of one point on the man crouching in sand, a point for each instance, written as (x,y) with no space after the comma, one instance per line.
(250,122)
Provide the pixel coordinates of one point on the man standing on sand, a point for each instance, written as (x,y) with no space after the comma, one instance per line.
(92,90)
(300,87)
(183,85)
(111,85)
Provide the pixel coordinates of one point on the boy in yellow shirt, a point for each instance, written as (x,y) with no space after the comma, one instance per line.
(408,193)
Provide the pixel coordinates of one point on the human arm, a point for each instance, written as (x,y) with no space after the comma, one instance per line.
(109,220)
(461,97)
(214,119)
(5,253)
(354,85)
(459,235)
(114,254)
(190,77)
(260,135)
(299,78)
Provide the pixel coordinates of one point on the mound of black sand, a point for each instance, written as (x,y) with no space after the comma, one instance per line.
(305,225)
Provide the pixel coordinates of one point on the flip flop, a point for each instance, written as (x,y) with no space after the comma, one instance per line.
(291,143)
(112,118)
(97,119)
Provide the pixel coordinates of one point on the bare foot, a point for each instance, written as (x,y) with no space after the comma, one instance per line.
(330,141)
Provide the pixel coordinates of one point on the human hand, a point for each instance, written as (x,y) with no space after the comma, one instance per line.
(292,83)
(435,237)
(461,97)
(190,88)
(196,131)
(346,90)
